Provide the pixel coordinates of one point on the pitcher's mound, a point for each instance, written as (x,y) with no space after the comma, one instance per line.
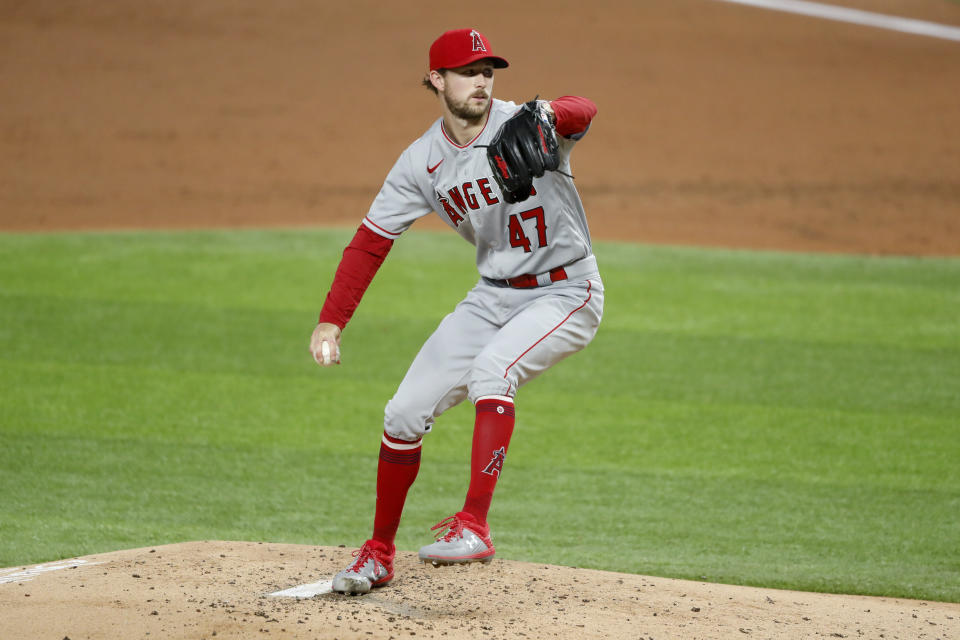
(223,590)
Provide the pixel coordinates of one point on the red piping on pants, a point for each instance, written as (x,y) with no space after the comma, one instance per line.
(590,295)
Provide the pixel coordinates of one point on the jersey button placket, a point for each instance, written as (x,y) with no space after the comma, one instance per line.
(463,167)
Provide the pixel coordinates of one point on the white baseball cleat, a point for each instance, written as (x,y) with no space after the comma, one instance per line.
(460,539)
(372,568)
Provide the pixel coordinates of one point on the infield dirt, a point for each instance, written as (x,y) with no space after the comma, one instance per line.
(219,590)
(719,125)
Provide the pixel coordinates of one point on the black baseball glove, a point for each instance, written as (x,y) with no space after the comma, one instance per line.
(523,148)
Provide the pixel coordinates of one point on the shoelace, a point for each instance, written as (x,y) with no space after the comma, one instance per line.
(455,526)
(365,553)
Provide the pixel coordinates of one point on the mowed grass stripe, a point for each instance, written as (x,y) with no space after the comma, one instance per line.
(747,417)
(191,337)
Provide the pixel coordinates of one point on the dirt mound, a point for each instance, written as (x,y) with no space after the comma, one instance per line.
(222,589)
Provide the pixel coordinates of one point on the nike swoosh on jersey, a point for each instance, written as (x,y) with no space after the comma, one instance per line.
(434,167)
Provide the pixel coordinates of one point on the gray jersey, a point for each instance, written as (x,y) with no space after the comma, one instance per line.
(435,174)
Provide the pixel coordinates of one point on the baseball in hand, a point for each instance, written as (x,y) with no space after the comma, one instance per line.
(325,353)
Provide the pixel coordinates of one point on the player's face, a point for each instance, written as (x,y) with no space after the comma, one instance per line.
(467,90)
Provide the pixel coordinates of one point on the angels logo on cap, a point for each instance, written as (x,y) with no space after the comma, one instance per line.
(477,42)
(460,47)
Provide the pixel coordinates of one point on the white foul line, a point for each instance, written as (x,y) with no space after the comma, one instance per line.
(30,573)
(305,590)
(856,16)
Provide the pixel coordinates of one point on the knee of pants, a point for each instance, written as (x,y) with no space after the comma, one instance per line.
(488,379)
(405,420)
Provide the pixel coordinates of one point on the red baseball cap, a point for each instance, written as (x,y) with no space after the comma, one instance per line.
(460,47)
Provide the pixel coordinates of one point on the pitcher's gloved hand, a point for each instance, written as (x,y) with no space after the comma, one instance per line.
(523,149)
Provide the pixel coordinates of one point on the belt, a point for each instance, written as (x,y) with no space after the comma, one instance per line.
(532,280)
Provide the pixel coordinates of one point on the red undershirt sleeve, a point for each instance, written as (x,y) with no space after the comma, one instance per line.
(573,114)
(361,260)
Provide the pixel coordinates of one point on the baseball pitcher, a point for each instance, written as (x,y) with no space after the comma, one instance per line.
(498,174)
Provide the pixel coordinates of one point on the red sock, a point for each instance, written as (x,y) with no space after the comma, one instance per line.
(396,471)
(491,438)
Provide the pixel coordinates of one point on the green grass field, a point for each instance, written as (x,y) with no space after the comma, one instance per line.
(781,420)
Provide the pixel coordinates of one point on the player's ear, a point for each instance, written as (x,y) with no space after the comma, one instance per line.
(437,80)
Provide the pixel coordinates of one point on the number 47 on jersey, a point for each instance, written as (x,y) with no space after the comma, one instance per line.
(518,234)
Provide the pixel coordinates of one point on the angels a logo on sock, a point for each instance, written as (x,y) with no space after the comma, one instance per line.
(496,462)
